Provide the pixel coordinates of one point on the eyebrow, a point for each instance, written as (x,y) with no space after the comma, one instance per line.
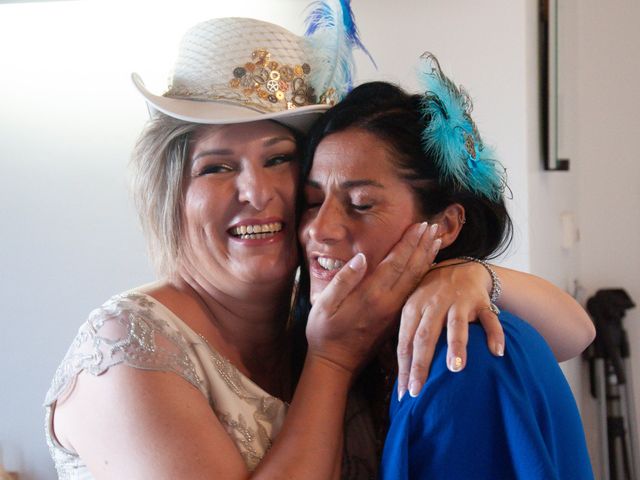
(220,151)
(349,184)
(227,151)
(274,140)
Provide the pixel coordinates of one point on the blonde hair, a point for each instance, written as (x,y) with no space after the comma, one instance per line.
(158,165)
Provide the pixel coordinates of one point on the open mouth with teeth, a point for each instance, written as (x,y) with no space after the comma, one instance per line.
(330,263)
(252,232)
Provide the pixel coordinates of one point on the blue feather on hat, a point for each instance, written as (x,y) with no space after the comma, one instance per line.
(452,138)
(333,34)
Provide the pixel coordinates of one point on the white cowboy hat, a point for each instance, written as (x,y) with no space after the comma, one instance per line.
(234,70)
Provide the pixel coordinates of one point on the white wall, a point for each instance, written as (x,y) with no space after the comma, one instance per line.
(69,116)
(607,126)
(599,124)
(552,194)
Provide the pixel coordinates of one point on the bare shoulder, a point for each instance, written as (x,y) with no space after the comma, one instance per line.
(133,423)
(128,398)
(176,300)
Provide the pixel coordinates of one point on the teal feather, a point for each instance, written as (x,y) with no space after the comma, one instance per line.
(452,138)
(332,34)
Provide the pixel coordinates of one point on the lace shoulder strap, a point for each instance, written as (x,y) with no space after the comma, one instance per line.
(128,329)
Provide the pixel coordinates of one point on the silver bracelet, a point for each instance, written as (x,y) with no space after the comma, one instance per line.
(496,286)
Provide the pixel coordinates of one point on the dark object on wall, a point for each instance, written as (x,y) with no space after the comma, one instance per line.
(548,35)
(611,385)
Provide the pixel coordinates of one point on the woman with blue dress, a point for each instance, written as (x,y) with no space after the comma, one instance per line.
(379,161)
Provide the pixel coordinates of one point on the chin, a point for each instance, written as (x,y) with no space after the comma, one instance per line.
(277,272)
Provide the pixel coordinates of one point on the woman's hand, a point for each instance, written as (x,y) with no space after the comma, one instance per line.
(352,315)
(457,294)
(453,294)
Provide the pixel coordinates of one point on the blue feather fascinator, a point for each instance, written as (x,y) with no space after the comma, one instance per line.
(451,136)
(332,35)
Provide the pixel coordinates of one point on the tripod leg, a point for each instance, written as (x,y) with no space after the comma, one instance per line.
(601,394)
(631,422)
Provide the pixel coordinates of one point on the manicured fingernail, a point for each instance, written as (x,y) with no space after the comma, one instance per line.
(401,391)
(357,262)
(434,229)
(422,228)
(500,350)
(455,364)
(414,388)
(436,245)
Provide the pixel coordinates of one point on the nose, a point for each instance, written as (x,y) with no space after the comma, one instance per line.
(254,187)
(328,224)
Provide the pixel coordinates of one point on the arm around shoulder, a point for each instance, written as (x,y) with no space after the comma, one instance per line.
(557,316)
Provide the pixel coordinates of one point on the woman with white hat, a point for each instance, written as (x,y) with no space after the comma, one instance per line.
(210,345)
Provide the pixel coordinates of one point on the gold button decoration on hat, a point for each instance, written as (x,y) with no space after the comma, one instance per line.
(272,86)
(273,81)
(329,96)
(261,75)
(286,73)
(259,54)
(247,81)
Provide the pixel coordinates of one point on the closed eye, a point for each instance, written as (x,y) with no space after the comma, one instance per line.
(361,208)
(278,160)
(215,168)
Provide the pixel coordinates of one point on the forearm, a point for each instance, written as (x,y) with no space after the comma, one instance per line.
(552,312)
(309,444)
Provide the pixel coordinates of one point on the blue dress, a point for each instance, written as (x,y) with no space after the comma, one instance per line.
(500,418)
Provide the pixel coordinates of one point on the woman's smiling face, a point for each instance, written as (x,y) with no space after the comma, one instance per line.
(239,204)
(356,201)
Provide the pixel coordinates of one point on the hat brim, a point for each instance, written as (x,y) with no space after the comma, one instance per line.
(220,113)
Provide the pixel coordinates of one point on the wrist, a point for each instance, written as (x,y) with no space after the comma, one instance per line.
(329,369)
(494,287)
(491,279)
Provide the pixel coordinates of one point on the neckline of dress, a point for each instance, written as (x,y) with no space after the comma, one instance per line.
(206,344)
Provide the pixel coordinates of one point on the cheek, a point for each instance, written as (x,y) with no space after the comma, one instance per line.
(288,180)
(290,197)
(201,204)
(285,184)
(376,241)
(376,248)
(303,228)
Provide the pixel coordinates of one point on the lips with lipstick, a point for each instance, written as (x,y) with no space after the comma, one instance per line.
(256,231)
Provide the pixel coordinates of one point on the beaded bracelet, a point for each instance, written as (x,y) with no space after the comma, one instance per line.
(496,286)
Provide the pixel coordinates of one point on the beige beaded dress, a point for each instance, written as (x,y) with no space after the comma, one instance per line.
(136,330)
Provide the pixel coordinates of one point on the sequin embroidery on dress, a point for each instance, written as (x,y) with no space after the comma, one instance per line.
(136,330)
